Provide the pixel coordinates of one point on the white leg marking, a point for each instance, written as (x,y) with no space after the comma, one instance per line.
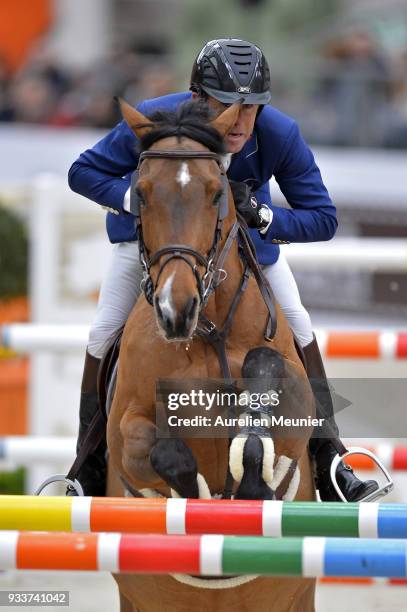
(183,177)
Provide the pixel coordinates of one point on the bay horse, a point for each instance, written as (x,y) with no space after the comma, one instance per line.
(193,273)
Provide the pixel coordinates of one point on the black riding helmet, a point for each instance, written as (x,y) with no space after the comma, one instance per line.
(230,69)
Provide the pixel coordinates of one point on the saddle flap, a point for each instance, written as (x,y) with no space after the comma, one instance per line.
(107,368)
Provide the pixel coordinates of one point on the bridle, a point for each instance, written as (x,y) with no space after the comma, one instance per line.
(213,274)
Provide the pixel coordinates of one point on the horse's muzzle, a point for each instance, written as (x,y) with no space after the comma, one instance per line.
(177,324)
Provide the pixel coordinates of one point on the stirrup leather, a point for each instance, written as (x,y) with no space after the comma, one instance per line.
(356,450)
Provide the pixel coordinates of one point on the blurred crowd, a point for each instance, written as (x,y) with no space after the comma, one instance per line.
(45,92)
(357,96)
(360,98)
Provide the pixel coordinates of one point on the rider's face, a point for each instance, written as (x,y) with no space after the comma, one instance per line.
(243,128)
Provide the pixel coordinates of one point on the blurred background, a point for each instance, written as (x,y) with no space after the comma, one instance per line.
(338,67)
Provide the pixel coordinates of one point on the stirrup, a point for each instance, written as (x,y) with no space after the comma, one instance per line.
(357,450)
(75,484)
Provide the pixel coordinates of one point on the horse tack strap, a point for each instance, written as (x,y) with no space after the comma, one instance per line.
(242,288)
(209,332)
(106,368)
(133,492)
(225,252)
(285,483)
(179,154)
(264,287)
(176,250)
(216,338)
(95,434)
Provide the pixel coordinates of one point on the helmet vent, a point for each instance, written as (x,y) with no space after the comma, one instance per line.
(226,68)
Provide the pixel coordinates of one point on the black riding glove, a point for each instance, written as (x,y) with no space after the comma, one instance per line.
(247,205)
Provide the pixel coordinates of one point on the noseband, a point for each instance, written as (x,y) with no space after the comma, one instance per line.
(205,284)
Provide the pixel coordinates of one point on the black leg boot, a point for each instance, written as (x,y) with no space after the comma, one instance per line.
(92,472)
(324,448)
(353,489)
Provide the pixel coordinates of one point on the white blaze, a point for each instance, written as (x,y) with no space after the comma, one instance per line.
(183,176)
(165,299)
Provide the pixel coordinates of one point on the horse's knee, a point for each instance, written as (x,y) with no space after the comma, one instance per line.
(139,436)
(174,462)
(264,362)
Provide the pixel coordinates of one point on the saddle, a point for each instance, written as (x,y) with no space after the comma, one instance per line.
(106,383)
(107,373)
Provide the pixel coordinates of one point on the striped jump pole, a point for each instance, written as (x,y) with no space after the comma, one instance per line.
(392,457)
(26,450)
(345,581)
(349,252)
(340,344)
(26,337)
(363,344)
(215,555)
(195,516)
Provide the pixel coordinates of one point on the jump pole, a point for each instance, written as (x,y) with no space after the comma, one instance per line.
(181,516)
(214,555)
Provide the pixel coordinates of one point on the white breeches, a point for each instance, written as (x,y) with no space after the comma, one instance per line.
(121,288)
(286,292)
(118,294)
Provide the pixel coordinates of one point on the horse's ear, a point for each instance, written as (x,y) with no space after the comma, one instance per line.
(134,119)
(226,120)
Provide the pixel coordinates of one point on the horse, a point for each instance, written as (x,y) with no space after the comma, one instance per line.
(195,283)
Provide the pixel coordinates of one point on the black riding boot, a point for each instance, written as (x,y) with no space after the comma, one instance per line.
(92,474)
(322,448)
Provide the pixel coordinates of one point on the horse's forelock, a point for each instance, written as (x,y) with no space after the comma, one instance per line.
(189,120)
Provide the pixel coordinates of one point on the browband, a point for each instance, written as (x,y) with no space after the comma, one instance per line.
(181,155)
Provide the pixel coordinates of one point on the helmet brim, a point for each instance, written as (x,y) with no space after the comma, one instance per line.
(230,97)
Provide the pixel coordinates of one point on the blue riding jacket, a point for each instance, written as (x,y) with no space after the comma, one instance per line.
(276,148)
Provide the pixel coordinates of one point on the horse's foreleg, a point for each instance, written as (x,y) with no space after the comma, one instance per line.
(173,460)
(139,436)
(150,460)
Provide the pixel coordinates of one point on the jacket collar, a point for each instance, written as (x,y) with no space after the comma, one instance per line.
(246,155)
(250,148)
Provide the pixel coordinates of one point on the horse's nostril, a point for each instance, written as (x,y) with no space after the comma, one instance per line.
(190,308)
(157,307)
(176,324)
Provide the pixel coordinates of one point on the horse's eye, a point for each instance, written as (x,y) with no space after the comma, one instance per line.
(217,197)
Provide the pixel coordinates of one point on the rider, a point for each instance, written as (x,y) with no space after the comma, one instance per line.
(263,143)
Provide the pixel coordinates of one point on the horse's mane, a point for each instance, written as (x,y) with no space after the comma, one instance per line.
(190,120)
